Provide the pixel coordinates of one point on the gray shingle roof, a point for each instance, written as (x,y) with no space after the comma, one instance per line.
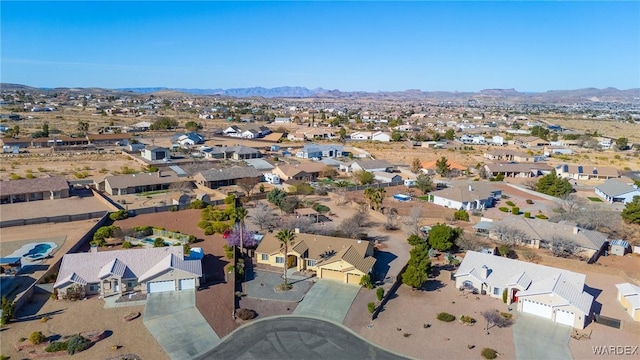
(615,187)
(234,172)
(140,179)
(27,186)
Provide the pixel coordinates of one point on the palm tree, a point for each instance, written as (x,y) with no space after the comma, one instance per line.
(286,237)
(238,215)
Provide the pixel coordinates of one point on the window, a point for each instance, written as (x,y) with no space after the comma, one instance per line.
(131,283)
(311,262)
(279,260)
(265,257)
(496,291)
(94,287)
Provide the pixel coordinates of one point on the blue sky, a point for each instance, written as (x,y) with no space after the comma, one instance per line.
(369,46)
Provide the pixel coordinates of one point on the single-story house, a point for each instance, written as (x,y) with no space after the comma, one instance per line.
(310,151)
(552,150)
(629,298)
(367,165)
(109,139)
(621,190)
(215,178)
(538,233)
(531,142)
(341,259)
(302,172)
(12,191)
(385,177)
(554,294)
(619,247)
(156,153)
(466,195)
(138,183)
(580,172)
(232,130)
(518,169)
(115,273)
(189,139)
(429,167)
(509,155)
(282,120)
(239,152)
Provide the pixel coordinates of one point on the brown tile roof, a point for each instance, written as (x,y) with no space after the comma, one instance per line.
(109,136)
(140,179)
(27,186)
(292,170)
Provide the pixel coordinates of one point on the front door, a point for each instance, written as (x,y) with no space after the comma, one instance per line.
(292,261)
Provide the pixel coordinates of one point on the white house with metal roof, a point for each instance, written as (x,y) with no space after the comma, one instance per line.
(629,298)
(118,272)
(554,294)
(618,190)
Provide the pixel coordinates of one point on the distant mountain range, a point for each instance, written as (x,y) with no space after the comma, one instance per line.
(507,95)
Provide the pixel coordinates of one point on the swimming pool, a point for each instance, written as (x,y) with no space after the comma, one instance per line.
(38,251)
(34,251)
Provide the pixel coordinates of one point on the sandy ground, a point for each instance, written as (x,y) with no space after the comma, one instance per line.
(68,318)
(408,311)
(80,202)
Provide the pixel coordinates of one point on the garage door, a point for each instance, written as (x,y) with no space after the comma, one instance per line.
(353,279)
(332,274)
(565,317)
(160,286)
(535,308)
(187,284)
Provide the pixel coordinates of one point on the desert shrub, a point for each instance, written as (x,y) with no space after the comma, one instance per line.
(506,315)
(488,353)
(530,255)
(8,308)
(503,209)
(127,245)
(542,216)
(446,317)
(246,314)
(209,231)
(142,231)
(119,215)
(372,307)
(203,224)
(527,215)
(37,337)
(228,251)
(379,293)
(56,346)
(515,210)
(220,226)
(365,281)
(529,201)
(505,295)
(77,344)
(461,215)
(197,204)
(158,242)
(510,203)
(467,319)
(321,208)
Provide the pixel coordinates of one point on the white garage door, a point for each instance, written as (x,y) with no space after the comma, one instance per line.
(565,317)
(535,308)
(160,286)
(187,284)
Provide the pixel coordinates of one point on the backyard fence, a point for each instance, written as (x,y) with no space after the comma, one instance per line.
(607,321)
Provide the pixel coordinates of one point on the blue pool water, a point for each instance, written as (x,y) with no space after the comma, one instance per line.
(38,251)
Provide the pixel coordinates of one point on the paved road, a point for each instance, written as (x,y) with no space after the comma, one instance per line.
(328,300)
(173,319)
(294,337)
(537,338)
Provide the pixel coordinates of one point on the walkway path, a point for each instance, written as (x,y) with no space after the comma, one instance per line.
(173,319)
(327,299)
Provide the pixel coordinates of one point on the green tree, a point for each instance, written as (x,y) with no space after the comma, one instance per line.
(442,166)
(461,215)
(364,177)
(276,196)
(45,129)
(8,308)
(450,134)
(621,143)
(396,136)
(238,215)
(443,237)
(631,212)
(540,132)
(342,132)
(83,126)
(289,204)
(553,185)
(423,182)
(375,197)
(415,240)
(286,238)
(417,272)
(164,123)
(193,126)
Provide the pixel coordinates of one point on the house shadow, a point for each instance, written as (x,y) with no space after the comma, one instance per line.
(213,269)
(432,285)
(596,307)
(379,238)
(383,261)
(30,269)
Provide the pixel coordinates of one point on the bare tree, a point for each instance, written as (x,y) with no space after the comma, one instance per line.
(181,186)
(494,318)
(530,183)
(508,235)
(571,204)
(264,216)
(248,184)
(412,221)
(341,196)
(350,227)
(563,247)
(303,223)
(469,242)
(392,219)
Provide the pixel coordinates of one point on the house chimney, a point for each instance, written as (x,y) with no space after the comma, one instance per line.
(485,271)
(159,173)
(576,230)
(94,248)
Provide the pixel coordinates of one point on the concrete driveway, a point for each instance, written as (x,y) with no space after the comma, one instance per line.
(327,299)
(537,338)
(173,319)
(292,337)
